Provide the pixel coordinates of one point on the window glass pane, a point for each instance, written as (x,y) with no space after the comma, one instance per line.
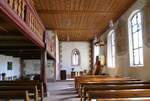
(74,62)
(136,56)
(111,49)
(113,38)
(134,28)
(141,56)
(135,40)
(140,38)
(139,26)
(139,17)
(96,52)
(134,20)
(75,57)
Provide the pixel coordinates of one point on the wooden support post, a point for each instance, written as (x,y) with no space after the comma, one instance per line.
(21,68)
(44,68)
(91,56)
(44,64)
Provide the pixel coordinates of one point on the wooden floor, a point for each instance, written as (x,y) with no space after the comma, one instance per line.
(62,91)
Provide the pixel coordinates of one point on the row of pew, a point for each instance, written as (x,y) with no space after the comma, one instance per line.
(106,88)
(22,89)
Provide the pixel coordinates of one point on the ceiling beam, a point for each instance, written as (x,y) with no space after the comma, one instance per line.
(13,33)
(19,50)
(16,44)
(15,41)
(24,55)
(28,57)
(46,11)
(18,47)
(34,57)
(21,53)
(12,37)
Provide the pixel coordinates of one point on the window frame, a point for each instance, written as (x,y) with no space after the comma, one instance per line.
(111,57)
(79,59)
(131,39)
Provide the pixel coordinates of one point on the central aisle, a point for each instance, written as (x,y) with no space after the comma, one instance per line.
(62,91)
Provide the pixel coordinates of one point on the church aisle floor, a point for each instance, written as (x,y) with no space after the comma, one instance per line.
(62,91)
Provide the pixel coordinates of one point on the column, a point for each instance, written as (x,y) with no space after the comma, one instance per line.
(44,64)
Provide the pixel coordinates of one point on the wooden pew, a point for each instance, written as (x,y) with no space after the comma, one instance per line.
(118,94)
(113,87)
(103,80)
(14,95)
(32,90)
(26,83)
(80,78)
(99,79)
(87,85)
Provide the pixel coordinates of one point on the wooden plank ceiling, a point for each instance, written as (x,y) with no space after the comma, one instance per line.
(80,20)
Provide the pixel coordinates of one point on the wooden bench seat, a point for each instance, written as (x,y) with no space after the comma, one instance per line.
(32,90)
(112,87)
(118,94)
(26,83)
(14,95)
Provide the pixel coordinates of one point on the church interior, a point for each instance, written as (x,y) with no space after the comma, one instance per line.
(74,50)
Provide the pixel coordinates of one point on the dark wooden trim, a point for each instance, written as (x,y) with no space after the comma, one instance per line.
(44,68)
(10,16)
(35,14)
(19,47)
(22,65)
(44,62)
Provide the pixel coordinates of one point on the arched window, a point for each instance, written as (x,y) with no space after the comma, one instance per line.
(111,49)
(75,57)
(135,39)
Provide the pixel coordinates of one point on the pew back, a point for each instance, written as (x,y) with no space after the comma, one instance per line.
(118,93)
(112,87)
(15,95)
(32,90)
(25,83)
